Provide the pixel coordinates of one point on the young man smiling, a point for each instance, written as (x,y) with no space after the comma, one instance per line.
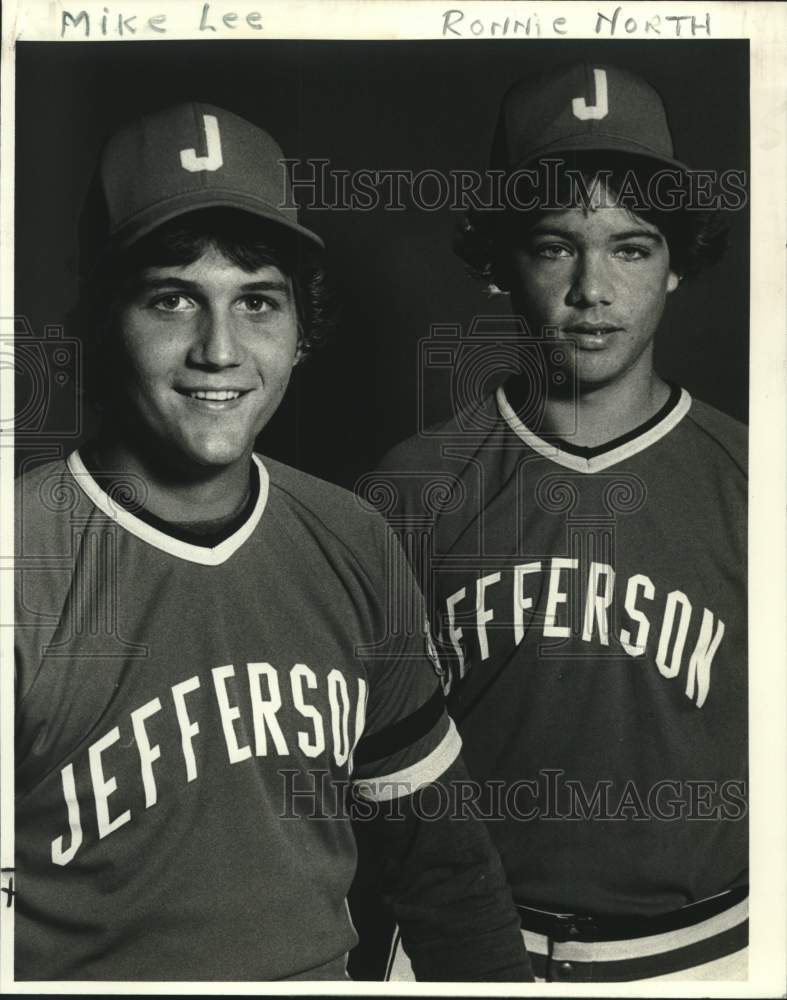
(586,562)
(205,658)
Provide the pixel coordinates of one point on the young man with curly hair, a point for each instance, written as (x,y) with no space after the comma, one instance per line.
(205,659)
(586,564)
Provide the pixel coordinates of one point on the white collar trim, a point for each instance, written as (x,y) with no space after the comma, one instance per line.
(173,546)
(607,458)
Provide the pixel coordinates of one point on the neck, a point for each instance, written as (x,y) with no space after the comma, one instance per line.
(170,492)
(597,414)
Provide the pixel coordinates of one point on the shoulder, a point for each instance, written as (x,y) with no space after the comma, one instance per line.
(30,481)
(327,507)
(725,435)
(43,497)
(48,504)
(419,451)
(312,493)
(468,426)
(438,471)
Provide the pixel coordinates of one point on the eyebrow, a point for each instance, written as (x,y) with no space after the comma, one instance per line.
(273,285)
(541,229)
(638,234)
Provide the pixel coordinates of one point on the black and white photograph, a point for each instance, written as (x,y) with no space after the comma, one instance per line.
(393,498)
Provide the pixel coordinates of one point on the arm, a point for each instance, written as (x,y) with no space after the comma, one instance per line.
(446,886)
(440,876)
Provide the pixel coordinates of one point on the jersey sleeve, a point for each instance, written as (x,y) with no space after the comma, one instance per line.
(408,740)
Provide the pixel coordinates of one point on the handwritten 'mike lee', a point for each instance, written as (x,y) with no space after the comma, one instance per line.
(121,24)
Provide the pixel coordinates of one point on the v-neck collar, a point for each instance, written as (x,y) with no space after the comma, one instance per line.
(205,555)
(605,456)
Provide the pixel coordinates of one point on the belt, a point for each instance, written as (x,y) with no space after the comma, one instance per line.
(581,947)
(582,927)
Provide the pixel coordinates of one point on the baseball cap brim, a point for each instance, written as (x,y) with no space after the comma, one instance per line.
(155,215)
(599,142)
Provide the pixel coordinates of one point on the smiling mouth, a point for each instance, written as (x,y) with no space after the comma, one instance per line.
(213,395)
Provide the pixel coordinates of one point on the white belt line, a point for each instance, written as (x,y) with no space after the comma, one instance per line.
(654,944)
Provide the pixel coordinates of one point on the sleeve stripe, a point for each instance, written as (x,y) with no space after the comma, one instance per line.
(402,733)
(410,779)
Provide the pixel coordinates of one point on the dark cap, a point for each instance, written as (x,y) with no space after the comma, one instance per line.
(584,107)
(188,157)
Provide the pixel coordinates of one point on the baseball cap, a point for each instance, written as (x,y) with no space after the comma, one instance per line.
(583,107)
(186,157)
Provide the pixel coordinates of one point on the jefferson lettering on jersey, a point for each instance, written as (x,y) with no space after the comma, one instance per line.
(328,735)
(188,721)
(678,637)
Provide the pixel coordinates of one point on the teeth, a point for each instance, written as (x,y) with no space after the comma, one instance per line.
(219,395)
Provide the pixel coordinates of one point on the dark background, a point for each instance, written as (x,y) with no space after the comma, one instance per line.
(373,105)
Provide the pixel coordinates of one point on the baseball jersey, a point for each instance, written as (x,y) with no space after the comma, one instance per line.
(188,719)
(591,609)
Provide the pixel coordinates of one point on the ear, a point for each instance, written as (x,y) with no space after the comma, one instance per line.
(300,353)
(673,281)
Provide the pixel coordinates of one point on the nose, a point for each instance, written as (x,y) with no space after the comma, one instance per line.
(216,344)
(592,282)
